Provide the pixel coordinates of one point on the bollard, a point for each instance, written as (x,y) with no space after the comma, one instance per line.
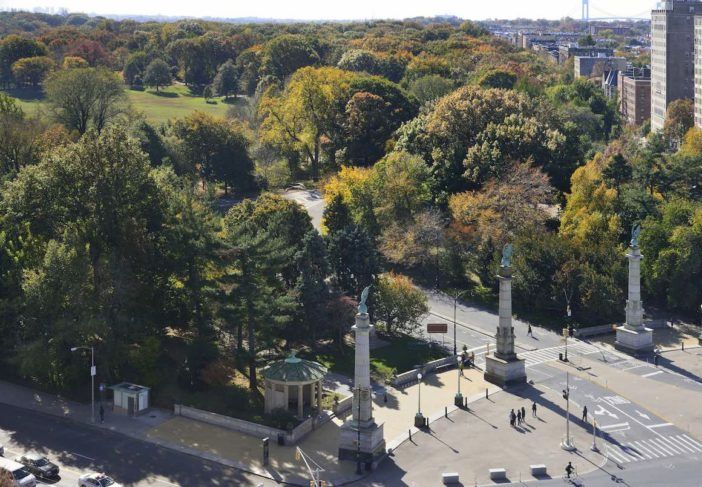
(683,346)
(445,411)
(486,393)
(410,434)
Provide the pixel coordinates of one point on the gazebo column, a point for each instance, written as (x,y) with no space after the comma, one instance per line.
(300,401)
(319,397)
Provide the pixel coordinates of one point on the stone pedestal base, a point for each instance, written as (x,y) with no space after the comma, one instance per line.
(634,341)
(504,373)
(372,443)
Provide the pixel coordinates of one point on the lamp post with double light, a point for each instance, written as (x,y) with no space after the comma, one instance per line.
(458,399)
(419,417)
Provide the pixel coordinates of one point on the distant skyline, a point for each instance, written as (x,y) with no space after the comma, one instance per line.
(344,10)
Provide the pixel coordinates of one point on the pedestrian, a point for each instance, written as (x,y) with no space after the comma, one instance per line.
(569,469)
(102,414)
(584,413)
(523,414)
(533,409)
(519,416)
(512,418)
(529,332)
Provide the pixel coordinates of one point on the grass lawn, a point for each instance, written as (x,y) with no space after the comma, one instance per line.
(400,355)
(176,101)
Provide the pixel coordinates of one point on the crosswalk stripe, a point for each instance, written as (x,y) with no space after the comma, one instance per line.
(693,441)
(675,441)
(683,440)
(617,456)
(645,449)
(662,446)
(633,452)
(673,445)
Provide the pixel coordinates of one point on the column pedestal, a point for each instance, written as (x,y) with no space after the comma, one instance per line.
(372,440)
(503,368)
(633,336)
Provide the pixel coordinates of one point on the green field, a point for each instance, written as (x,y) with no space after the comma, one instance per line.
(173,102)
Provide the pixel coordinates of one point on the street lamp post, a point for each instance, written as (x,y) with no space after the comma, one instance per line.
(419,418)
(567,444)
(93,371)
(458,400)
(455,304)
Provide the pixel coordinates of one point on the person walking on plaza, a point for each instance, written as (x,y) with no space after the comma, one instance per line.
(584,413)
(529,332)
(512,418)
(519,416)
(102,414)
(533,409)
(569,469)
(523,414)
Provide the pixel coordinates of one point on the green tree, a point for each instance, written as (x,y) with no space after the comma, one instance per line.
(226,82)
(157,74)
(498,79)
(285,54)
(218,149)
(398,304)
(311,286)
(85,97)
(336,215)
(431,87)
(15,47)
(134,67)
(617,172)
(353,259)
(679,119)
(20,140)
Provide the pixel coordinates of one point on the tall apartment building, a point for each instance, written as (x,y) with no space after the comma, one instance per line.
(635,95)
(672,55)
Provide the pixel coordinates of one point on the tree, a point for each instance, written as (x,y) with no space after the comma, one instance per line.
(218,149)
(586,41)
(134,67)
(85,97)
(311,286)
(227,80)
(20,137)
(73,62)
(431,87)
(353,259)
(398,304)
(13,48)
(285,54)
(336,215)
(679,118)
(157,74)
(304,112)
(498,79)
(33,70)
(617,172)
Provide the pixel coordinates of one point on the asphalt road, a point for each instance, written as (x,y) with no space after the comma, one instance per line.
(79,449)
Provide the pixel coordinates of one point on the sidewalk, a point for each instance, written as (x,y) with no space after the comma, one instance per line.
(396,415)
(474,441)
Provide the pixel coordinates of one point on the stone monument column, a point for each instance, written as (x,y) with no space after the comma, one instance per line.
(504,368)
(361,437)
(633,336)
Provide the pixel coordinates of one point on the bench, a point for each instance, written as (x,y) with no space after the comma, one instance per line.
(498,474)
(538,470)
(449,478)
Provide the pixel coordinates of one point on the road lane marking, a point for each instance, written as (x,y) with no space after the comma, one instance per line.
(660,425)
(682,439)
(82,456)
(653,373)
(692,440)
(635,367)
(646,448)
(662,446)
(674,441)
(610,426)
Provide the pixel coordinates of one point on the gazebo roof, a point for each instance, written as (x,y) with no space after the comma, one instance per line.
(294,369)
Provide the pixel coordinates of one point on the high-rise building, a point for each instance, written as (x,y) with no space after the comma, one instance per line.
(672,55)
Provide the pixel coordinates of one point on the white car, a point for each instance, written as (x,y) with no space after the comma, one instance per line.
(97,480)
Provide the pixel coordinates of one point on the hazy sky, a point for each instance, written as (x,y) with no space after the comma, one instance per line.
(346,9)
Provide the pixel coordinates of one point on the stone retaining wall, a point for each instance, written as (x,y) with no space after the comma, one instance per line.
(253,429)
(411,375)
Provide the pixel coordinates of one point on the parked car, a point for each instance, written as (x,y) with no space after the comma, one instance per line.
(97,480)
(39,465)
(20,475)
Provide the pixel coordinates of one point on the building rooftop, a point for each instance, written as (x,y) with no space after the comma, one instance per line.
(294,369)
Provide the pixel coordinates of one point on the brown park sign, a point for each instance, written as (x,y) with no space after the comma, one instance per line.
(437,328)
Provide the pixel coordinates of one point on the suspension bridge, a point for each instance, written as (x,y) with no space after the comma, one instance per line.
(596,10)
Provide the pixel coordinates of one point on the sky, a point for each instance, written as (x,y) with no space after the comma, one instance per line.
(345,9)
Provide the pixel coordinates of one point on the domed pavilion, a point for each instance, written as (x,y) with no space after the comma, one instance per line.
(294,384)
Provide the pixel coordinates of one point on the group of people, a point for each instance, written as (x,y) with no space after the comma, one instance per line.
(516,419)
